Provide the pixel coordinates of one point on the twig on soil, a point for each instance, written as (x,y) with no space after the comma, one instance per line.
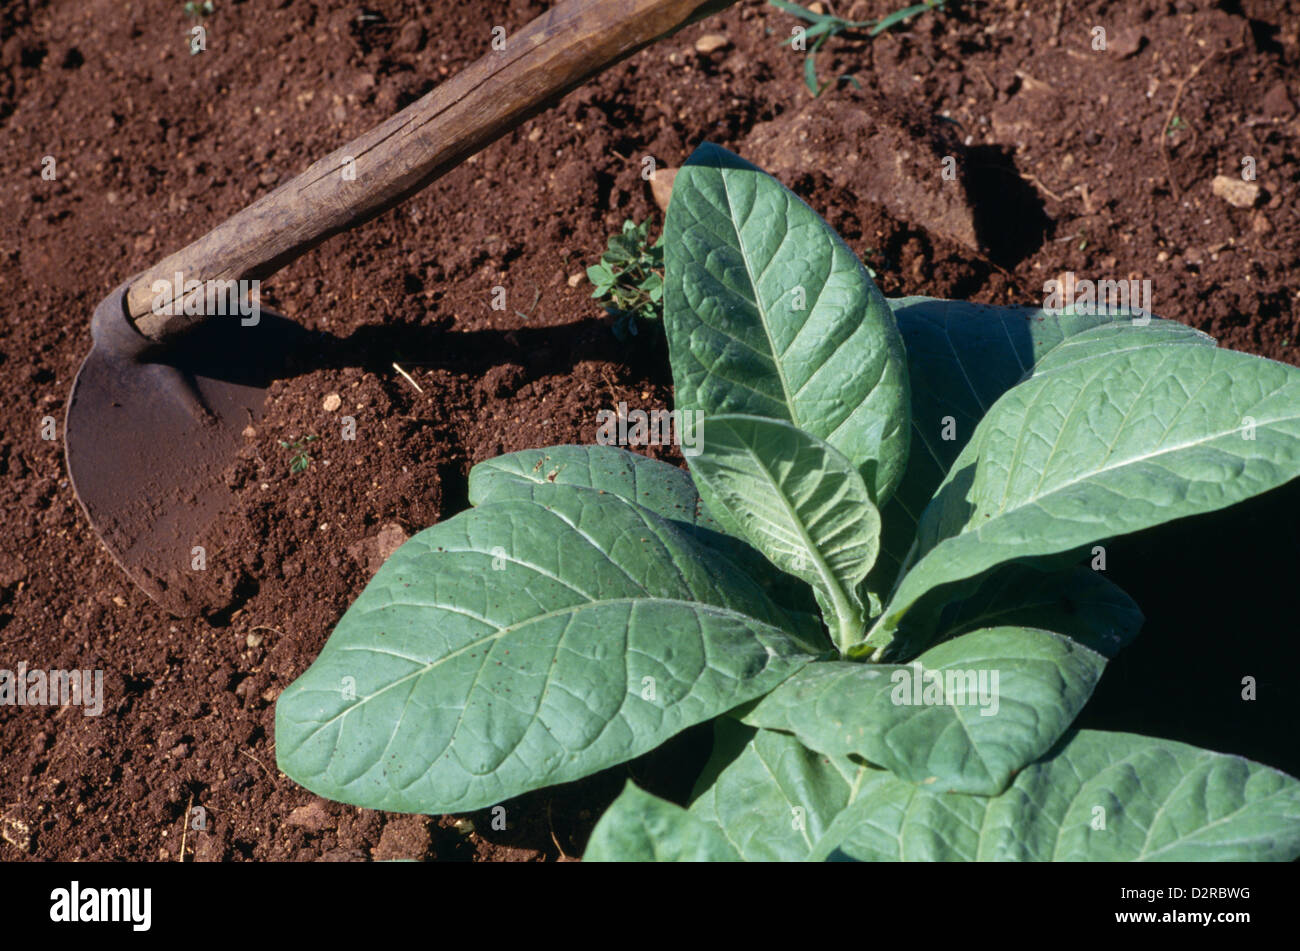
(258,762)
(551,828)
(185,827)
(1169,117)
(408,378)
(1055,39)
(1030,176)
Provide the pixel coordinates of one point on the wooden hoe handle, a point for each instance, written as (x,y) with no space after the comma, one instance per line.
(556,52)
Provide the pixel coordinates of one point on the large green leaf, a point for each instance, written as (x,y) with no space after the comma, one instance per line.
(665,490)
(1109,797)
(799,502)
(1095,797)
(525,643)
(1102,446)
(1076,601)
(1121,337)
(768,313)
(640,827)
(963,717)
(662,488)
(771,797)
(961,358)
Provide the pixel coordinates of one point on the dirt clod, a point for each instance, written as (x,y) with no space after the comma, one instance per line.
(1238,193)
(313,817)
(711,43)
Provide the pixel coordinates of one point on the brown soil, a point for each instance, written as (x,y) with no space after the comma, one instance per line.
(1071,162)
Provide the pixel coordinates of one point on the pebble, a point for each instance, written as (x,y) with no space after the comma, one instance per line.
(311,817)
(711,43)
(332,402)
(411,39)
(16,832)
(1238,193)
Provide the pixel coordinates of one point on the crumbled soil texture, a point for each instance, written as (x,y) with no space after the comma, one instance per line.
(1073,159)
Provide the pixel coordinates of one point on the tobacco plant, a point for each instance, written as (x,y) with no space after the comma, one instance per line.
(874,580)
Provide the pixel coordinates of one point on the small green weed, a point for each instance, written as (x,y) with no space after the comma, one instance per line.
(631,275)
(301,459)
(826,25)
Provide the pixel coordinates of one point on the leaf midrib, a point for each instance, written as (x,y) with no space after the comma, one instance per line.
(758,302)
(699,606)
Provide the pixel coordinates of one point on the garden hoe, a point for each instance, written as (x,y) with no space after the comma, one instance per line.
(174,376)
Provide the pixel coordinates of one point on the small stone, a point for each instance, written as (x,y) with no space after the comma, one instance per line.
(411,39)
(1238,193)
(119,600)
(406,837)
(1125,42)
(268,177)
(209,848)
(711,42)
(390,538)
(661,186)
(249,432)
(253,640)
(311,817)
(1276,102)
(576,279)
(332,402)
(1260,224)
(16,832)
(535,134)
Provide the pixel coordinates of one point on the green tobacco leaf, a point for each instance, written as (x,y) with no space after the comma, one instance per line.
(1099,797)
(1095,797)
(1121,337)
(961,358)
(964,717)
(1104,446)
(768,313)
(662,488)
(522,644)
(772,798)
(640,827)
(799,502)
(1077,602)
